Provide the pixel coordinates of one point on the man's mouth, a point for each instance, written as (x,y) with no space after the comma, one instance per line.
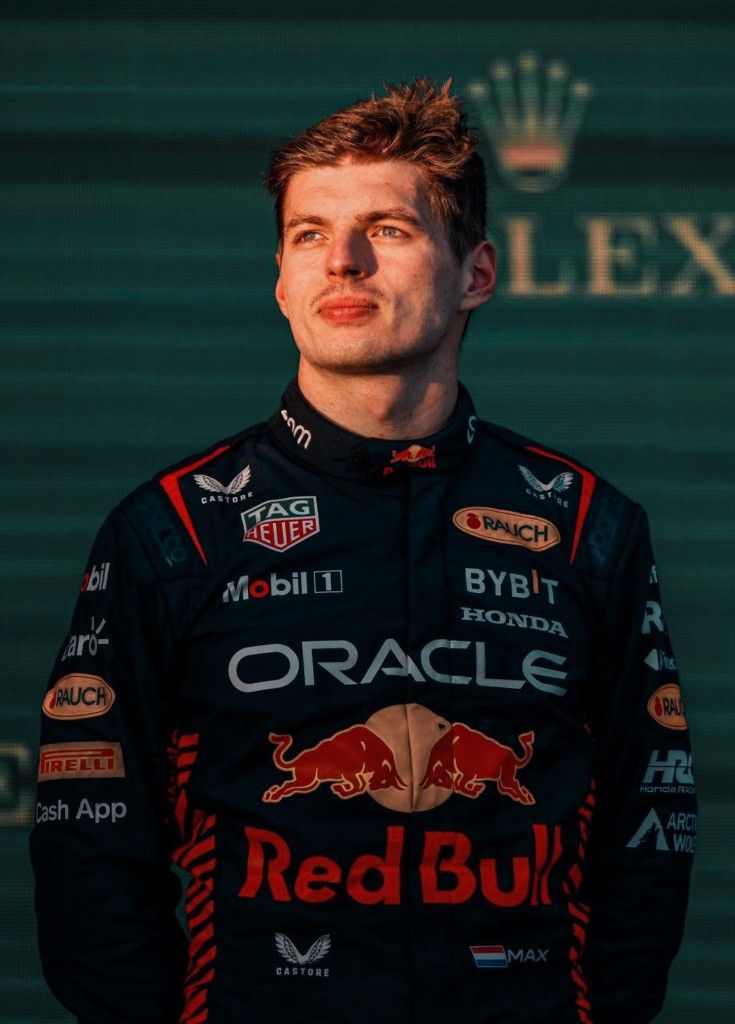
(347,310)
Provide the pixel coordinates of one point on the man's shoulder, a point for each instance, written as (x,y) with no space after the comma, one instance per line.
(216,456)
(160,514)
(602,516)
(519,445)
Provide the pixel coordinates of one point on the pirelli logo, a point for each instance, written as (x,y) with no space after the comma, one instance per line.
(80,761)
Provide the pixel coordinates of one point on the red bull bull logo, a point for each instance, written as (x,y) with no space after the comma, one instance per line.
(416,455)
(352,761)
(377,758)
(464,758)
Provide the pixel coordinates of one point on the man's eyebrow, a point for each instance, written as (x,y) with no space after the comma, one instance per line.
(369,217)
(303,218)
(391,213)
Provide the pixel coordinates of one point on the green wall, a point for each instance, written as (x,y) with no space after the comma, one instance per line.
(138,324)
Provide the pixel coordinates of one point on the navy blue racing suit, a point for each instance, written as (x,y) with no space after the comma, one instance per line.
(406,714)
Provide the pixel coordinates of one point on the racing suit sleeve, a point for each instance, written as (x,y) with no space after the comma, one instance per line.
(642,834)
(111,948)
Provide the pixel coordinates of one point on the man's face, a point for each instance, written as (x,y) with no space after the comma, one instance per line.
(367,279)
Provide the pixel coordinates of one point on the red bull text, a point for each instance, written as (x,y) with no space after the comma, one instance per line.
(449,871)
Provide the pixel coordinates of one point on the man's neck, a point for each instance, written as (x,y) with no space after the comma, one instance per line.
(395,406)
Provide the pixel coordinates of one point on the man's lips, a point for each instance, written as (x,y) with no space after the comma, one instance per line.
(346,309)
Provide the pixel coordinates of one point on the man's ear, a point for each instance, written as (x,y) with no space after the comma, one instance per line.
(479,276)
(280,297)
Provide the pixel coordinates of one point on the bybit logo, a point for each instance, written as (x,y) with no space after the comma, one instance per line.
(530,120)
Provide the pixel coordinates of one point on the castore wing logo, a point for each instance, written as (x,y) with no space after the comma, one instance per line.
(316,951)
(560,483)
(235,486)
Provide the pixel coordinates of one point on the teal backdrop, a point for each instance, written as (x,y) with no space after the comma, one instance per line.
(138,325)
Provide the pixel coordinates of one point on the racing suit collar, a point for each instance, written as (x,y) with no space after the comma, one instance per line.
(307,436)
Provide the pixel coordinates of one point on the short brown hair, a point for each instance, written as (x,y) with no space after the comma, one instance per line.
(418,122)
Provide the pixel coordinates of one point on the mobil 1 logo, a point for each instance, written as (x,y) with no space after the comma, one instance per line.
(295,584)
(95,578)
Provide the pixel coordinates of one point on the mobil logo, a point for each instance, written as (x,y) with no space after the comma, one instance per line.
(281,523)
(95,578)
(324,581)
(406,758)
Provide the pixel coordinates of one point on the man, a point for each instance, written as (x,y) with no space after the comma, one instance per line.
(426,749)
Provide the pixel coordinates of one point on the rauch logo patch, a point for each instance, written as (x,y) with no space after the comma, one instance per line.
(79,695)
(665,707)
(502,526)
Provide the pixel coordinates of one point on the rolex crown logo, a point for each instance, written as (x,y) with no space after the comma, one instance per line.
(531,118)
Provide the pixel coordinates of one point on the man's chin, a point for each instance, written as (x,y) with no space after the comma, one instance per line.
(353,356)
(365,366)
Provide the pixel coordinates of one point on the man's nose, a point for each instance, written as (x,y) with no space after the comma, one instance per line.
(350,255)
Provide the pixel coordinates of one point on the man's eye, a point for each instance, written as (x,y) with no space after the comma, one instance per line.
(388,231)
(307,236)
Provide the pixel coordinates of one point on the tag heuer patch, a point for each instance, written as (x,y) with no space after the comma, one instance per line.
(281,523)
